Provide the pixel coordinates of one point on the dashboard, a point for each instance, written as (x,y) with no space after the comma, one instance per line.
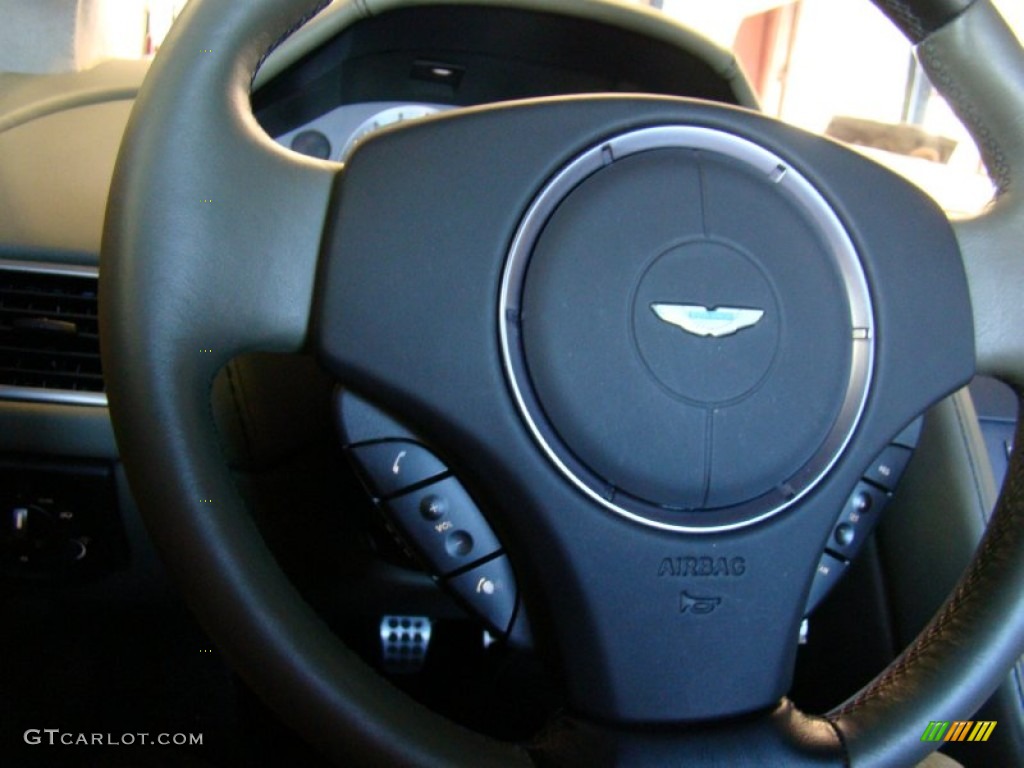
(333,136)
(415,62)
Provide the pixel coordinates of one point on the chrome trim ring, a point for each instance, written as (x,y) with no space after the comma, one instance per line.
(851,272)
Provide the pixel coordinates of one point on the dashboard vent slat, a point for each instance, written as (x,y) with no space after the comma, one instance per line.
(49,334)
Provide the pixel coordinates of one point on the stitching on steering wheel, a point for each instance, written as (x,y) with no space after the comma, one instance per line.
(902,11)
(1009,511)
(991,150)
(288,33)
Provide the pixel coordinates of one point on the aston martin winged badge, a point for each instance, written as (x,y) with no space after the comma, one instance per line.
(704,321)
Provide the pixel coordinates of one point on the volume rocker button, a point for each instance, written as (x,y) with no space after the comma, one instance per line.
(442,522)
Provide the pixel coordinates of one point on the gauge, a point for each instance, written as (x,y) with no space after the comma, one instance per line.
(384,118)
(312,143)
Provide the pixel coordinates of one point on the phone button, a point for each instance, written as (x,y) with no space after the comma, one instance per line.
(391,467)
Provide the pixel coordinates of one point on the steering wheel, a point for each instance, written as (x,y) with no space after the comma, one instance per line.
(661,338)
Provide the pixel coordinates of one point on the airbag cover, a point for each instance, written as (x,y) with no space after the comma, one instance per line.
(687,332)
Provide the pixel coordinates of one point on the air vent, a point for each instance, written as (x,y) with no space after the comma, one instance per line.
(49,336)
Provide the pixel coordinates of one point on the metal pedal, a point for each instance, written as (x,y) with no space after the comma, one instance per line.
(404,641)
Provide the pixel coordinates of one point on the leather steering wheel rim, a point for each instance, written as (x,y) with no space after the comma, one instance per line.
(161,354)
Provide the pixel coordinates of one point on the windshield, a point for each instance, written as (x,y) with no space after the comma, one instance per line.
(809,65)
(806,59)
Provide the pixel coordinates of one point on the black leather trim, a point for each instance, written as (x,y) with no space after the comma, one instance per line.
(929,535)
(919,18)
(980,628)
